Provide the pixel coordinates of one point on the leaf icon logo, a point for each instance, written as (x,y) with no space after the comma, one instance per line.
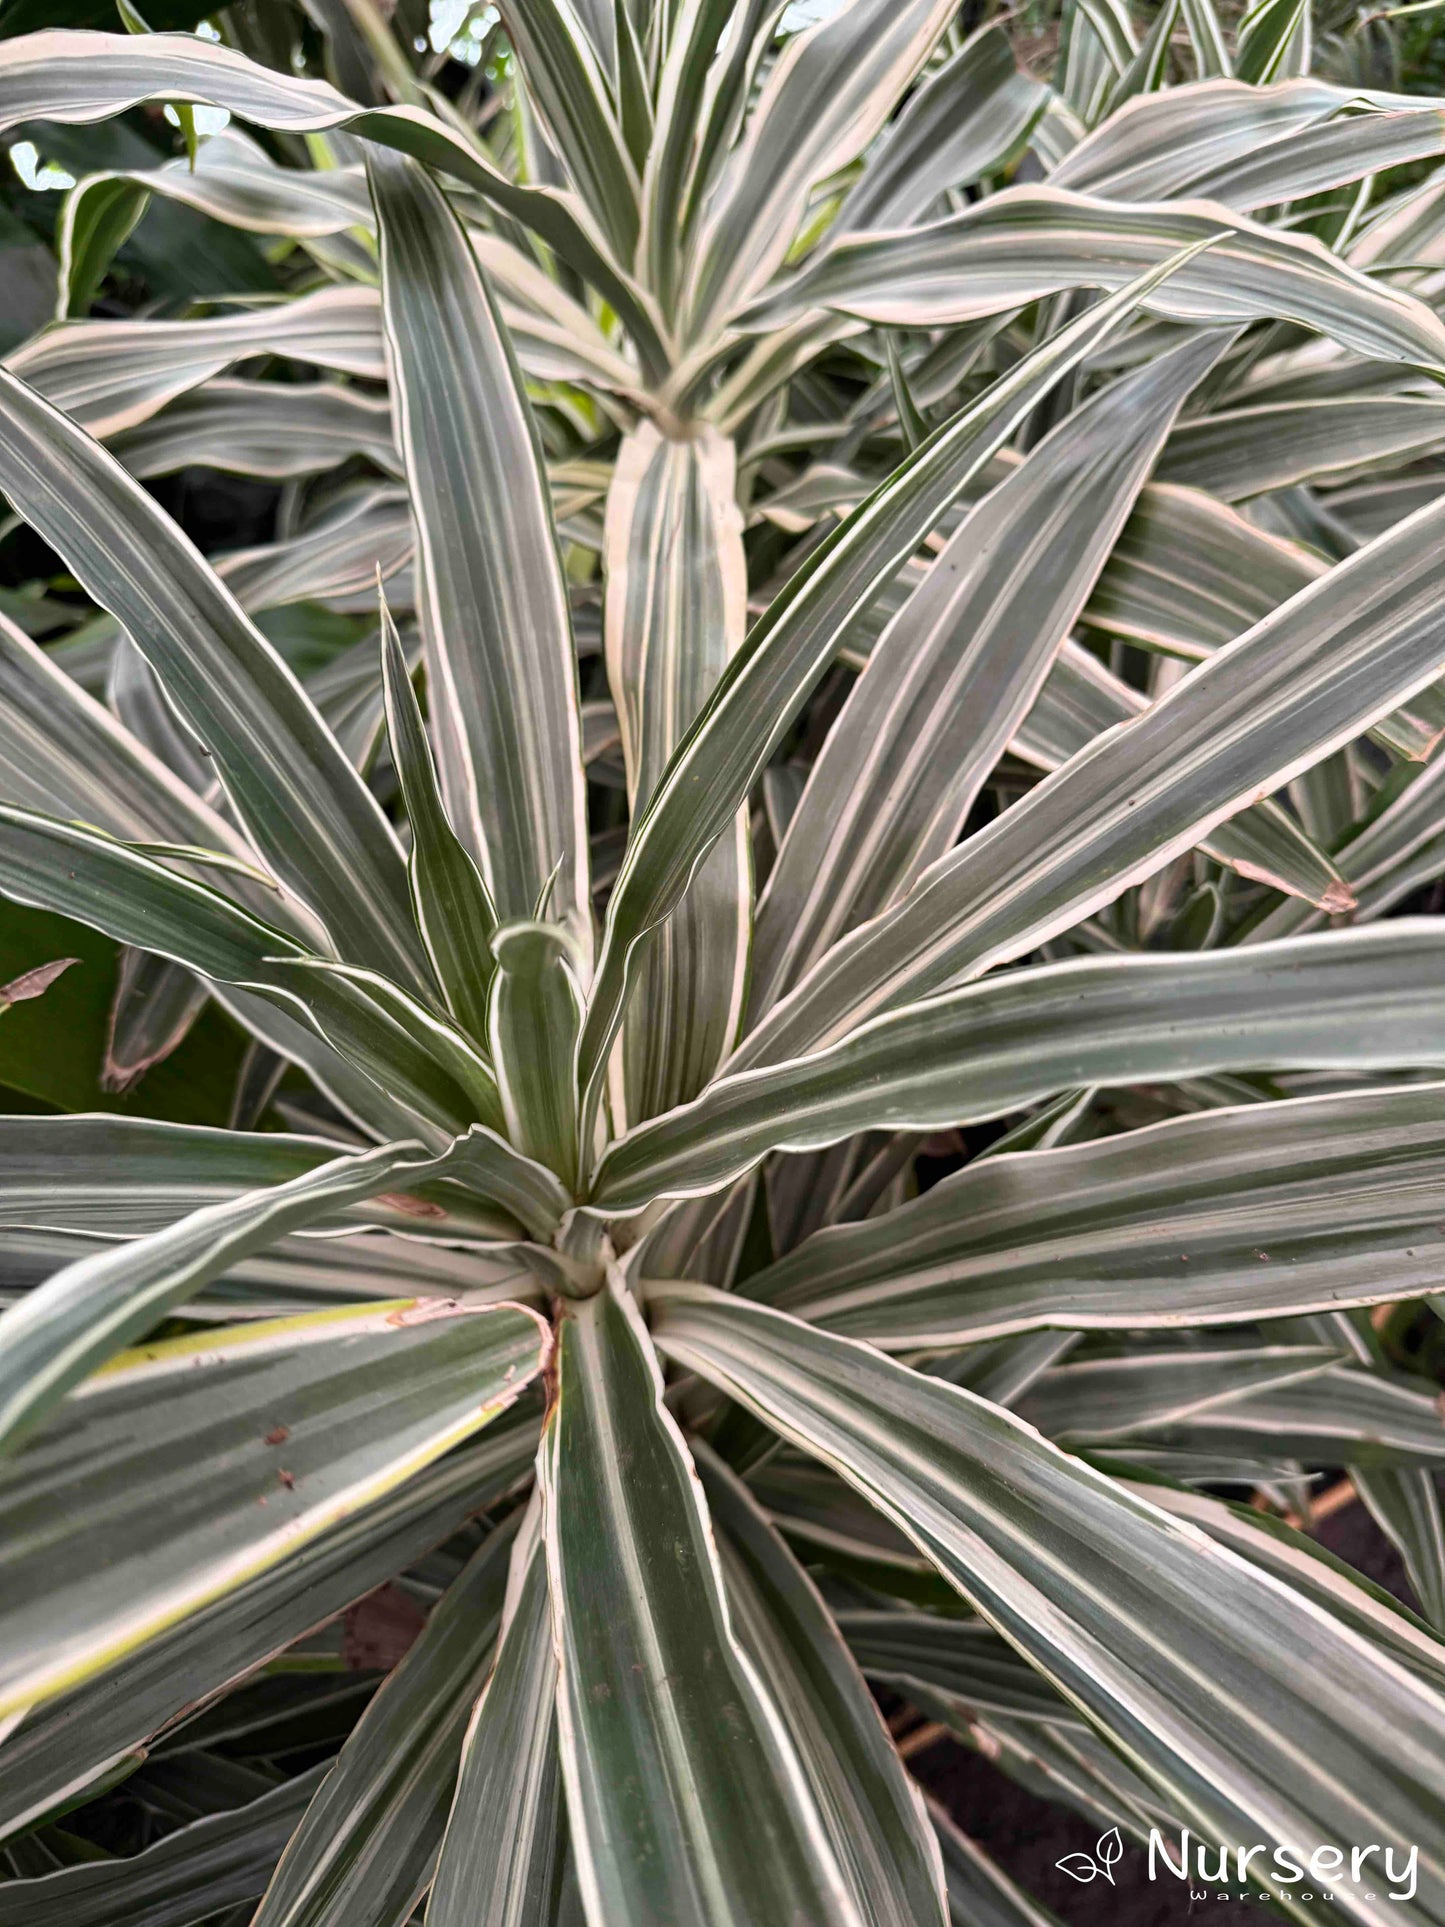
(1098,1865)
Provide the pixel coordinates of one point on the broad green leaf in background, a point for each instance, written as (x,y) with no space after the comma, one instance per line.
(401,1046)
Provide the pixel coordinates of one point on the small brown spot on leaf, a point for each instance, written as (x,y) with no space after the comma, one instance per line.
(278,1435)
(288,1479)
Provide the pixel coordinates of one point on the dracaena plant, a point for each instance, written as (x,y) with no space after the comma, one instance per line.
(589,1210)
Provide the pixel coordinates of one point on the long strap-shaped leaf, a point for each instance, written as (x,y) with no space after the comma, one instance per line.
(1370,998)
(1028,242)
(980,1893)
(367,1844)
(64,753)
(1206,38)
(683,94)
(767,682)
(969,120)
(502,1857)
(1225,1216)
(213,1864)
(1240,452)
(829,93)
(184,1469)
(414,1057)
(1080,699)
(341,553)
(570,93)
(85,1313)
(57,1335)
(112,375)
(69,1743)
(1404,1501)
(230,178)
(823,103)
(1203,1670)
(309,812)
(268,428)
(1306,679)
(1308,1567)
(684,1798)
(1336,1416)
(122,1177)
(1189,575)
(872,1811)
(533,1021)
(501,662)
(954,673)
(453,909)
(675,614)
(1138,1389)
(1247,145)
(81,76)
(964,1658)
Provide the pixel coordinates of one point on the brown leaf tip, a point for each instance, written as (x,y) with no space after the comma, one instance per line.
(34,983)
